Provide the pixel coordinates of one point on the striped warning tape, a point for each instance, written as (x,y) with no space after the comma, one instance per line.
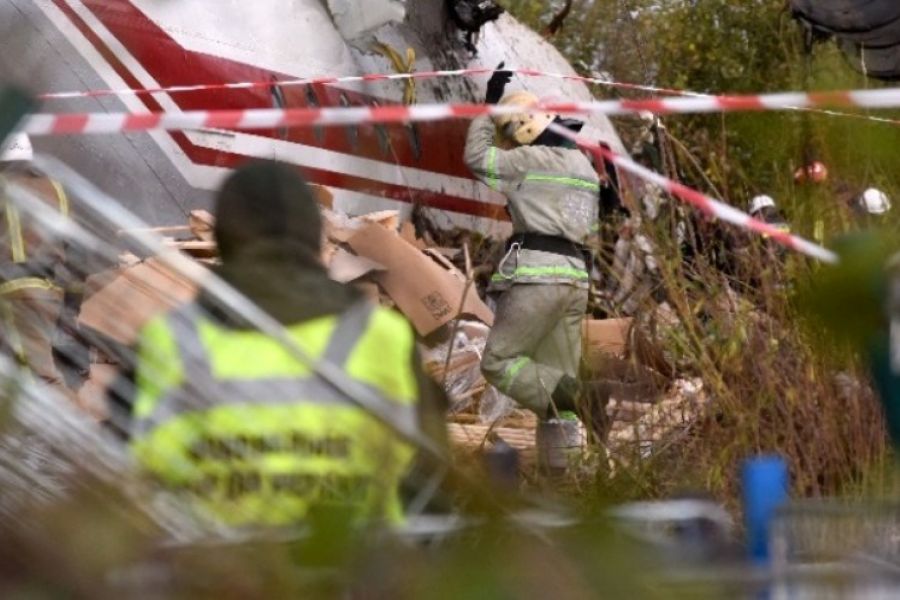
(374,77)
(86,123)
(707,205)
(180,89)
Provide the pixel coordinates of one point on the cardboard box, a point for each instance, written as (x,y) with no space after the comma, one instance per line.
(132,297)
(604,338)
(429,295)
(345,267)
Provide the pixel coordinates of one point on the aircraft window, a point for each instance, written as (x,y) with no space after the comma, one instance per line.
(415,142)
(352,131)
(384,140)
(278,101)
(312,101)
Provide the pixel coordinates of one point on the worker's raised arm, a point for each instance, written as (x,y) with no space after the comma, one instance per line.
(494,166)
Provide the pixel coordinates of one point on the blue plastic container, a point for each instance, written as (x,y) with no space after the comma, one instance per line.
(765,489)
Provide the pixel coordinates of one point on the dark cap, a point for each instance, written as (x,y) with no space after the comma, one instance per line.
(266,201)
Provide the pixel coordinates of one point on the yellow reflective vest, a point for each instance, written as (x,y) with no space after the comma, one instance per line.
(256,438)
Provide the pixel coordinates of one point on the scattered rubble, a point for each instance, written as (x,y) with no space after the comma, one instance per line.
(640,427)
(121,301)
(433,280)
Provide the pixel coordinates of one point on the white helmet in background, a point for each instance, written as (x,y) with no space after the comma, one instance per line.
(760,202)
(875,202)
(16,147)
(524,128)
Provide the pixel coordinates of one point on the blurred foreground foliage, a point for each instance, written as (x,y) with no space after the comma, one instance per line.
(95,545)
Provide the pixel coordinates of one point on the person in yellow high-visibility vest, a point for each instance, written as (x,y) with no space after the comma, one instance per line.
(33,273)
(228,416)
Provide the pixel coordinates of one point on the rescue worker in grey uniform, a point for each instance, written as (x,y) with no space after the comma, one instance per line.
(40,282)
(534,349)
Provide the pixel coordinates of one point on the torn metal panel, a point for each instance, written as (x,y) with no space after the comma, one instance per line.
(355,18)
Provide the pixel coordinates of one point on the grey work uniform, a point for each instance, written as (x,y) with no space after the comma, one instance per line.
(536,338)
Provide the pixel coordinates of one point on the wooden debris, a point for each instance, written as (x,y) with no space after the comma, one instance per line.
(195,248)
(202,224)
(92,395)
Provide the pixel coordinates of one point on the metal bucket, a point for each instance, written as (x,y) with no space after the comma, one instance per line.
(558,441)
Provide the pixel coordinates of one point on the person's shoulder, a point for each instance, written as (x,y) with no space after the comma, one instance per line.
(580,157)
(387,319)
(164,320)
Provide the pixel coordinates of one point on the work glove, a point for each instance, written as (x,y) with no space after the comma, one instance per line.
(573,125)
(497,84)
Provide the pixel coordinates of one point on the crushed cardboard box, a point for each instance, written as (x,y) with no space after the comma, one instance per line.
(345,267)
(133,296)
(428,294)
(606,337)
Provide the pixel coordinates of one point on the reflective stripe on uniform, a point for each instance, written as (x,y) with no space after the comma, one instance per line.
(782,227)
(256,392)
(509,377)
(61,197)
(493,180)
(14,226)
(26,283)
(569,272)
(269,391)
(574,182)
(14,222)
(245,440)
(15,340)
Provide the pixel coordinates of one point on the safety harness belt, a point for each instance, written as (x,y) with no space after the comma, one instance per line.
(550,243)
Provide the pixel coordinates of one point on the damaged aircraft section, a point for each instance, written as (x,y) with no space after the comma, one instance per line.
(868,31)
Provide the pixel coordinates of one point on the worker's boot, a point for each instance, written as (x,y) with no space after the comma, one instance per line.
(589,400)
(593,401)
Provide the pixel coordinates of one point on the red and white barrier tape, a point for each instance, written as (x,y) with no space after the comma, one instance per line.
(177,89)
(707,205)
(180,89)
(84,123)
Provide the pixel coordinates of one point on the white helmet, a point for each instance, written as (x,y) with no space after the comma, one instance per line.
(760,202)
(875,202)
(524,128)
(16,147)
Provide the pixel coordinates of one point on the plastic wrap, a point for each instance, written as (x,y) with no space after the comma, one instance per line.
(494,405)
(461,376)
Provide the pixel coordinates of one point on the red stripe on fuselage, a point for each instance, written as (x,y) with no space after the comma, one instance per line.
(170,65)
(138,33)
